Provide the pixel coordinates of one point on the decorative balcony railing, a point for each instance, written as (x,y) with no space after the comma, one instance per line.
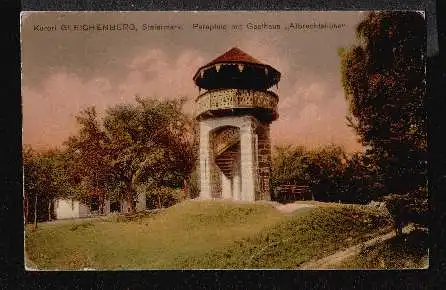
(235,99)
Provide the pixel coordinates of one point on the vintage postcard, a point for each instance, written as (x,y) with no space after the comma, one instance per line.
(224,140)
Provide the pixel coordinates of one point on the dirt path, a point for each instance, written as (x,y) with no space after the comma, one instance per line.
(292,207)
(331,261)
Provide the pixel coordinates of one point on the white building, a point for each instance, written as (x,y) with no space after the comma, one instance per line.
(69,208)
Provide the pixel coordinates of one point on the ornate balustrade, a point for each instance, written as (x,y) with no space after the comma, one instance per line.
(224,99)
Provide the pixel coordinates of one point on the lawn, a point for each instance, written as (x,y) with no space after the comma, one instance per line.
(205,234)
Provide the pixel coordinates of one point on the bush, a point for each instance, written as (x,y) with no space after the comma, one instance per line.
(114,217)
(193,184)
(319,168)
(380,207)
(163,196)
(406,208)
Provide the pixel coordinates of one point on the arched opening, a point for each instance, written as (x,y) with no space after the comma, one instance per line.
(225,166)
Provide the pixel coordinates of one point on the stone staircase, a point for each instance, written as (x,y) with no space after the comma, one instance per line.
(226,148)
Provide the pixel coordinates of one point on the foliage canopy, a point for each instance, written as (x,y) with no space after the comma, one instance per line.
(384,80)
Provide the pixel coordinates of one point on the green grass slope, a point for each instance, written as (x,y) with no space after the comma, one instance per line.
(188,229)
(407,251)
(205,234)
(296,240)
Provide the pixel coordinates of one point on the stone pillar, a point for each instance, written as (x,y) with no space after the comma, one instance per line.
(205,162)
(264,161)
(235,181)
(226,187)
(236,193)
(247,161)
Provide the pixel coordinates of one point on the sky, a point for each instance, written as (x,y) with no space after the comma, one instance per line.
(64,71)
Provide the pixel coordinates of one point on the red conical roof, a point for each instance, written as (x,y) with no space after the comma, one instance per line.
(235,54)
(216,75)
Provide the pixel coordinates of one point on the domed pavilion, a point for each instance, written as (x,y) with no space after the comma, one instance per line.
(235,112)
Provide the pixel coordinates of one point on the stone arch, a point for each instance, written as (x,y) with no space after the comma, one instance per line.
(225,162)
(241,184)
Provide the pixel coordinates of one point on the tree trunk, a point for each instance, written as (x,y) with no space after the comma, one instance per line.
(35,211)
(132,208)
(101,205)
(49,210)
(186,189)
(159,201)
(130,202)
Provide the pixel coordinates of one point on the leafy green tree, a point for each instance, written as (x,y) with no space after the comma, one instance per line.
(321,169)
(360,183)
(45,179)
(31,182)
(88,153)
(160,196)
(326,167)
(384,80)
(151,143)
(407,208)
(289,165)
(331,174)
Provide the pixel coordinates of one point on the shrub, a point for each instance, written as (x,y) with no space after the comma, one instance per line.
(193,185)
(406,208)
(114,217)
(163,196)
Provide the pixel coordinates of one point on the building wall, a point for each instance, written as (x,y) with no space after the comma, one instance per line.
(263,162)
(66,208)
(216,189)
(84,210)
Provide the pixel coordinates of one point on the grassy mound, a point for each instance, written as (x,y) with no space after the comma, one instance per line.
(299,239)
(201,234)
(153,241)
